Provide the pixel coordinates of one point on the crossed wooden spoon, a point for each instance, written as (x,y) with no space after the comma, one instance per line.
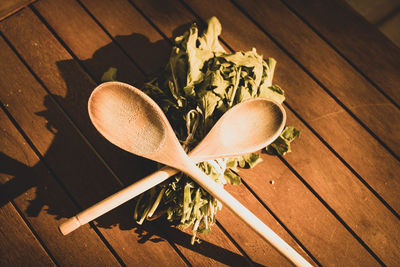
(131,120)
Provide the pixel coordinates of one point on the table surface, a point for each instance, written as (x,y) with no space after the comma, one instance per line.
(335,198)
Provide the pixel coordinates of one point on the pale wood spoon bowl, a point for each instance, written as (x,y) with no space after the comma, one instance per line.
(132,121)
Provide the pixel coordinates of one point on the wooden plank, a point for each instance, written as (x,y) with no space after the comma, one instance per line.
(18,246)
(313,161)
(82,173)
(28,183)
(329,68)
(133,32)
(361,43)
(316,107)
(8,7)
(47,65)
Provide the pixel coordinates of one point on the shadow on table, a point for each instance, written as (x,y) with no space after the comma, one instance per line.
(150,56)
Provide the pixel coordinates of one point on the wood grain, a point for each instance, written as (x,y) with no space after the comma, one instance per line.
(71,159)
(310,171)
(29,184)
(133,32)
(390,27)
(360,42)
(8,7)
(316,107)
(51,121)
(18,246)
(329,68)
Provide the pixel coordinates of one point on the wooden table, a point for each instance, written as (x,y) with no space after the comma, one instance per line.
(335,198)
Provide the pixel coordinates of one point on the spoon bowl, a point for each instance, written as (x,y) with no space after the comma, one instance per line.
(245,128)
(126,117)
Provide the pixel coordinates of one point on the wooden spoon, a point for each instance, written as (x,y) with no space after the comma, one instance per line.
(211,147)
(133,121)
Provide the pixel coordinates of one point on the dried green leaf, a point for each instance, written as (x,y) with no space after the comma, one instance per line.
(281,145)
(232,178)
(109,75)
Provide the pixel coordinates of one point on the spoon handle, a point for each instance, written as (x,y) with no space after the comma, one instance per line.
(243,213)
(116,200)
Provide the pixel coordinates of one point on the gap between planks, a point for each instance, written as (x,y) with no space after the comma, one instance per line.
(30,228)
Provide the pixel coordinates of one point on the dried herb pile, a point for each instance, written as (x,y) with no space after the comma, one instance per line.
(200,82)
